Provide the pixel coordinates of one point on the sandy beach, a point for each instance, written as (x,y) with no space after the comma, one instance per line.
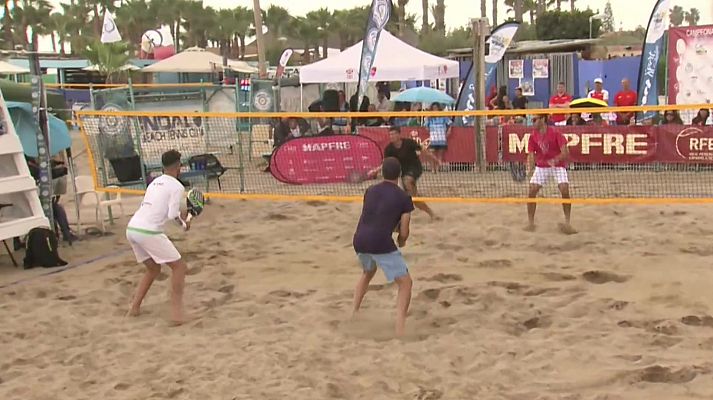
(619,311)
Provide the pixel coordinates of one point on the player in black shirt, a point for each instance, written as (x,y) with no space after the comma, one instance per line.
(407,152)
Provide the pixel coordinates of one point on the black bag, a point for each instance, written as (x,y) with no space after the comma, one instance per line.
(42,249)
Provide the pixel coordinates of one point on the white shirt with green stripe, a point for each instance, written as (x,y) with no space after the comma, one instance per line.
(161,203)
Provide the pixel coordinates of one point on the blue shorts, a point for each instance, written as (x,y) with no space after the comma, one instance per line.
(393,264)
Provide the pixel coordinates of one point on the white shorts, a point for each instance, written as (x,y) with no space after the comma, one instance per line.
(543,175)
(156,246)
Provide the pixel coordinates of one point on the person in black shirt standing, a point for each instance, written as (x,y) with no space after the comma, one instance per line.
(407,152)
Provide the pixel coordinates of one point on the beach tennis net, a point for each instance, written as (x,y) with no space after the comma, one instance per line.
(326,155)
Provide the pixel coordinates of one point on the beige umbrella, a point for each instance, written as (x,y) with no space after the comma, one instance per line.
(125,67)
(10,69)
(198,60)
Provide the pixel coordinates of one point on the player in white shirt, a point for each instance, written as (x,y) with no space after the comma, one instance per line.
(161,203)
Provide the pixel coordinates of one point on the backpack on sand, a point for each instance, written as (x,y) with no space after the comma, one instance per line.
(42,249)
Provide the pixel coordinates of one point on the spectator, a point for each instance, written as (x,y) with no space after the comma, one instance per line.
(385,88)
(701,117)
(672,117)
(401,106)
(340,124)
(599,92)
(374,121)
(493,94)
(560,99)
(289,128)
(625,98)
(520,101)
(383,104)
(501,101)
(439,130)
(576,120)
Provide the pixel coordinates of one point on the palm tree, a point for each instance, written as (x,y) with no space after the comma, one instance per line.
(693,16)
(340,24)
(99,7)
(277,19)
(78,28)
(677,16)
(134,18)
(109,58)
(402,15)
(518,6)
(243,20)
(7,23)
(61,25)
(425,26)
(483,9)
(322,20)
(257,14)
(302,29)
(572,6)
(439,14)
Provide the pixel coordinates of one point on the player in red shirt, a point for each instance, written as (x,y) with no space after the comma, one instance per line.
(546,154)
(625,98)
(560,100)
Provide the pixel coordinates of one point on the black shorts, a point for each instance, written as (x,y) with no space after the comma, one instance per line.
(414,173)
(438,146)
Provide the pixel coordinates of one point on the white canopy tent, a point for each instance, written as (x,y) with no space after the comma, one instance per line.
(395,61)
(198,60)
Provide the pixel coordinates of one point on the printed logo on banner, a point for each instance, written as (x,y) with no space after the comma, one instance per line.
(185,134)
(381,13)
(263,100)
(350,73)
(693,144)
(111,124)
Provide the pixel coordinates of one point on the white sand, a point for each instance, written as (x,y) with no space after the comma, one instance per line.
(497,313)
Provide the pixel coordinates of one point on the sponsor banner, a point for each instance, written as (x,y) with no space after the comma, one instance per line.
(685,144)
(324,159)
(185,134)
(378,17)
(621,144)
(499,41)
(653,47)
(690,65)
(461,143)
(282,63)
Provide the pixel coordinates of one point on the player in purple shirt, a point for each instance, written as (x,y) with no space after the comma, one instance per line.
(386,208)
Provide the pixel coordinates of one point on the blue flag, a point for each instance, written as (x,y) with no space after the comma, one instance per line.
(653,45)
(499,41)
(378,17)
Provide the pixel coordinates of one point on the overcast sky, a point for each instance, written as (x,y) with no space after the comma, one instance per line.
(631,13)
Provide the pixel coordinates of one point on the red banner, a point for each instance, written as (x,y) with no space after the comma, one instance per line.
(461,142)
(324,159)
(621,144)
(689,61)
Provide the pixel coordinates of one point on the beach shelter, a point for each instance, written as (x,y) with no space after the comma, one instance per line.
(26,127)
(395,61)
(197,60)
(9,69)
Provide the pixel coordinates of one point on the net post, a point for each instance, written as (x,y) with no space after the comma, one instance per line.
(479,28)
(137,139)
(44,156)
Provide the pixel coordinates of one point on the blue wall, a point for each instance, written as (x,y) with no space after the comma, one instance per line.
(611,71)
(542,86)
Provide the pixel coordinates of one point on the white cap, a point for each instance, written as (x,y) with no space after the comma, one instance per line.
(598,80)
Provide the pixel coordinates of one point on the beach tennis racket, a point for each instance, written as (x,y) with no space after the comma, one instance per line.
(195,201)
(518,173)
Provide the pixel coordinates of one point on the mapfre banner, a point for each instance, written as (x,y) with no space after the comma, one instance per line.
(671,144)
(324,159)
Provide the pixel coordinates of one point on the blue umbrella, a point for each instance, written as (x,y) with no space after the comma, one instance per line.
(26,128)
(424,95)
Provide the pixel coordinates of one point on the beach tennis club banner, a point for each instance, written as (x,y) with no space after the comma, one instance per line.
(621,144)
(324,159)
(653,47)
(185,134)
(690,65)
(499,41)
(378,17)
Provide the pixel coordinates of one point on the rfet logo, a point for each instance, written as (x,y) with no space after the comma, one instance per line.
(372,72)
(350,73)
(695,144)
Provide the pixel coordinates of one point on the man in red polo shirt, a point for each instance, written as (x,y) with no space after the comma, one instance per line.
(625,98)
(546,155)
(560,100)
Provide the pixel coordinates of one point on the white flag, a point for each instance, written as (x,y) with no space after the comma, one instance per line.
(110,33)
